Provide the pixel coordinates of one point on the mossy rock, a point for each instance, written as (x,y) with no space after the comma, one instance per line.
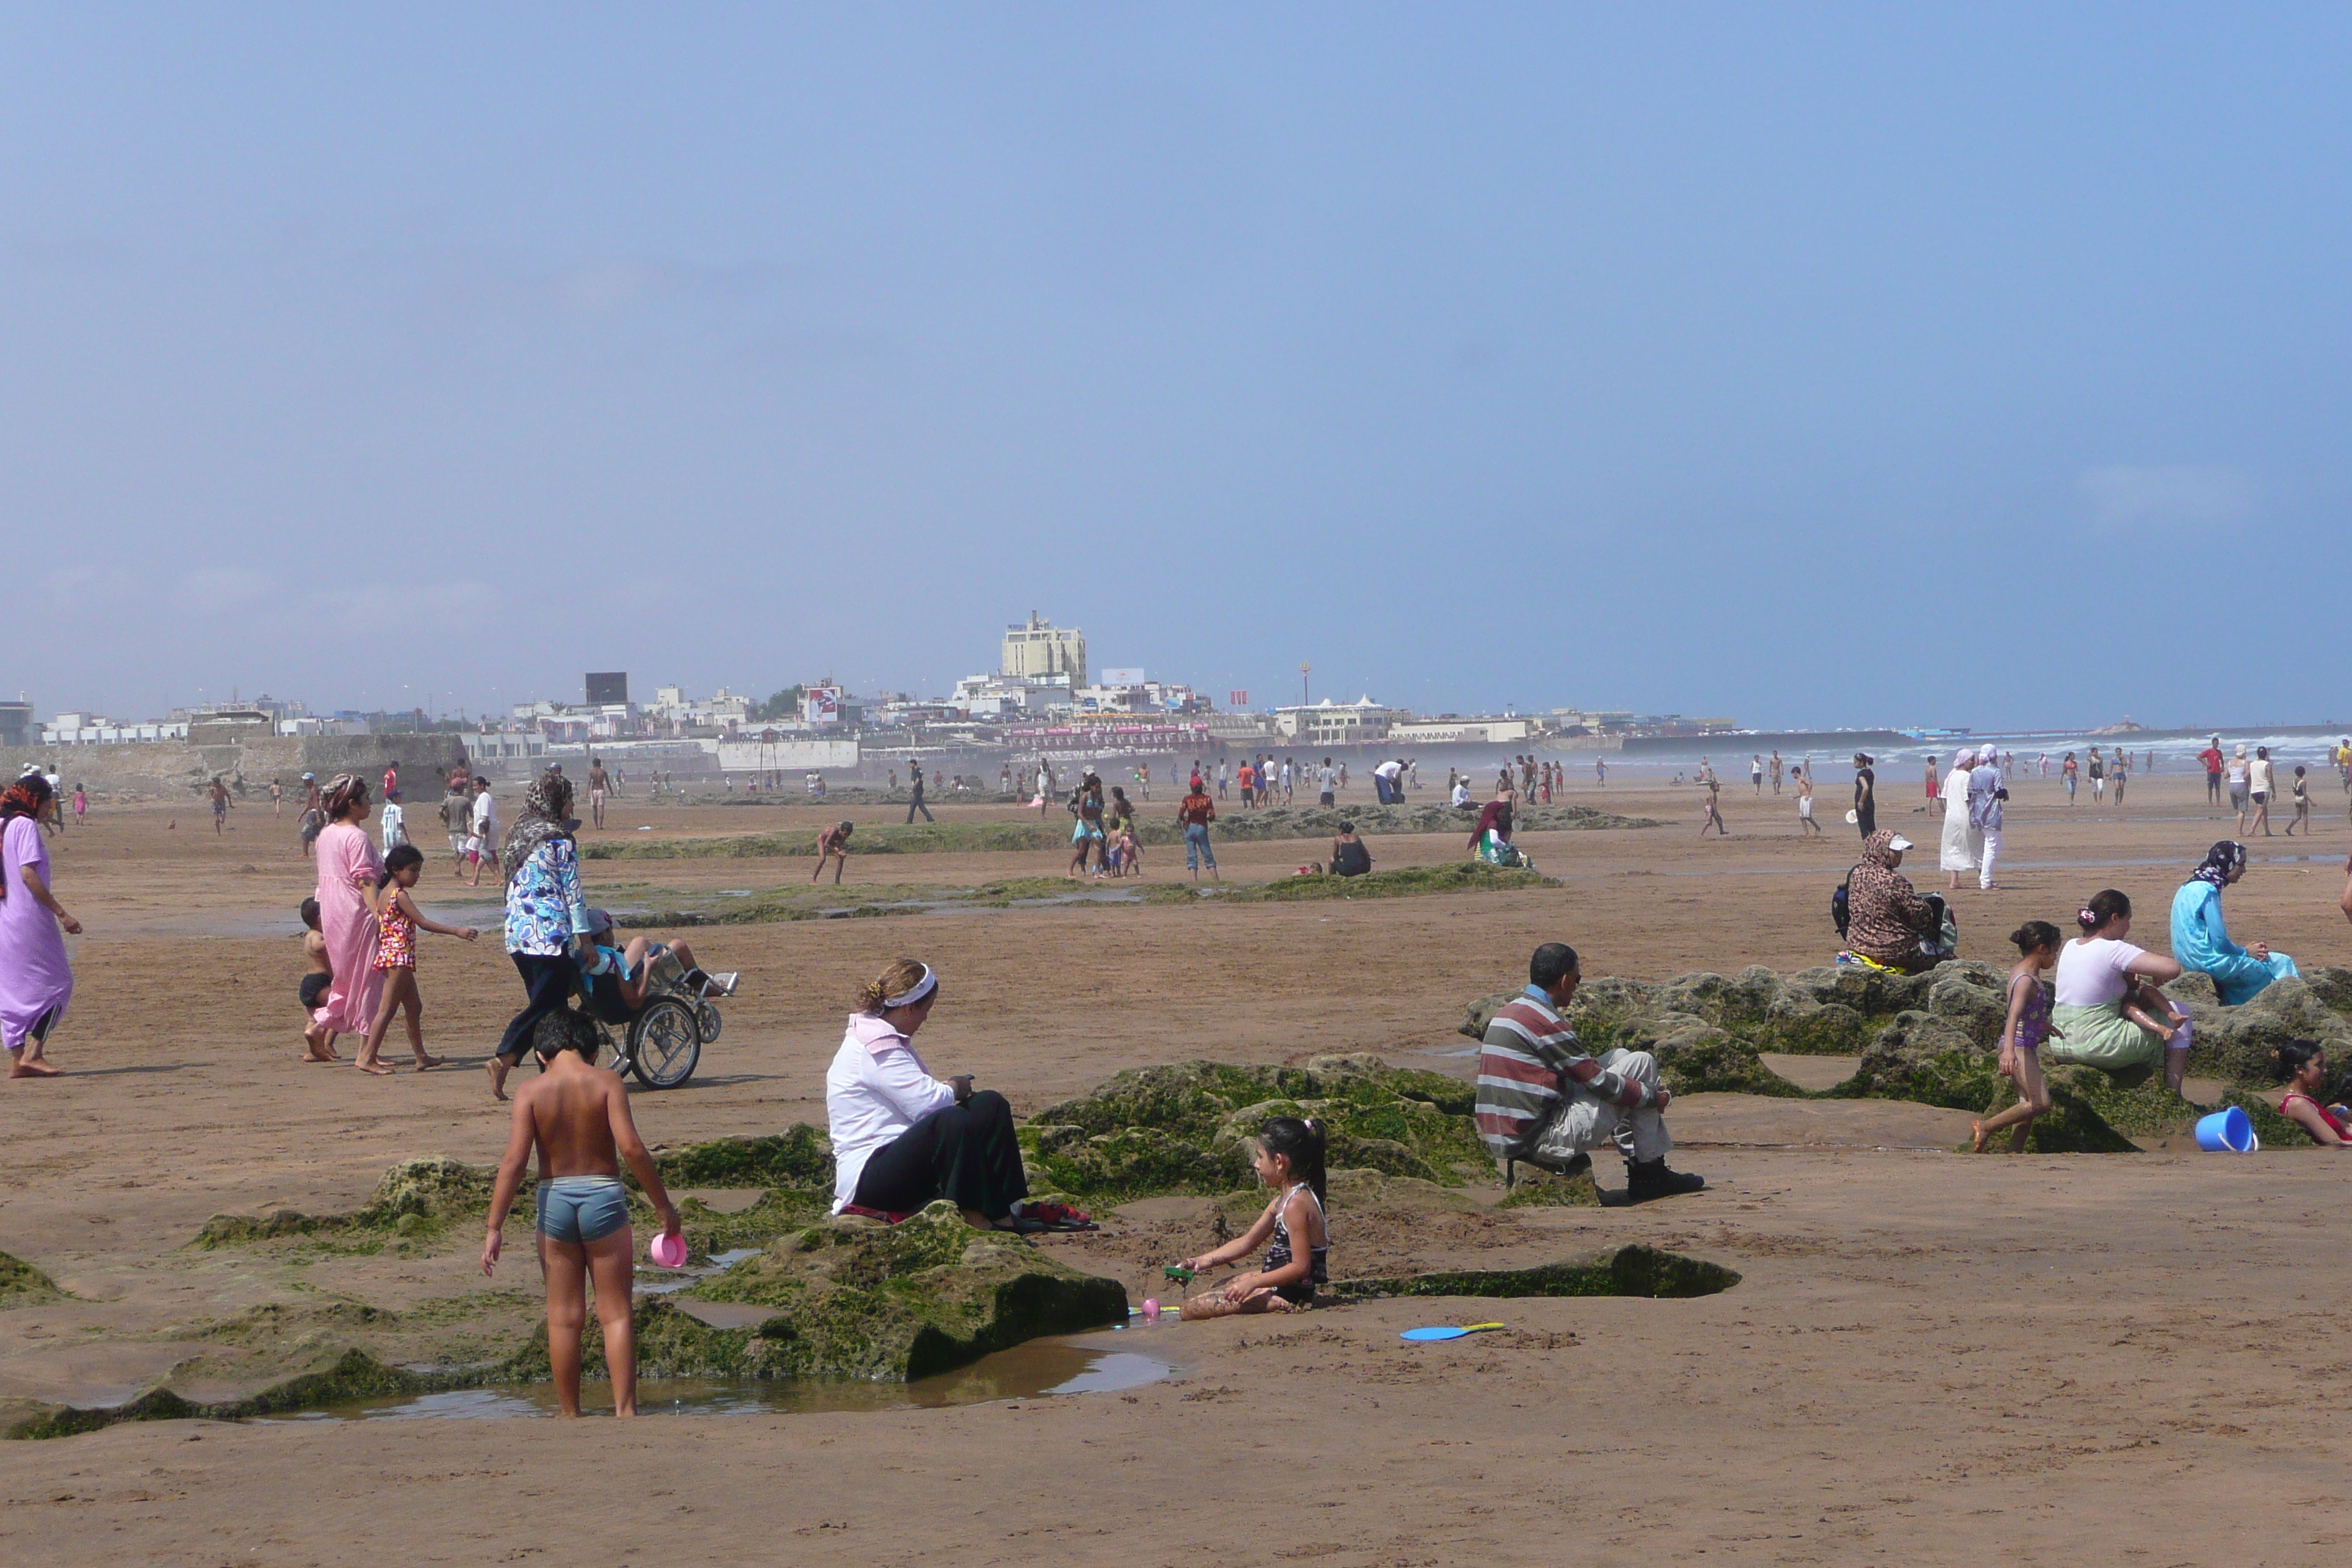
(414,1198)
(340,1374)
(1923,1057)
(801,1156)
(1696,1057)
(1188,1127)
(2274,1129)
(2081,1099)
(855,1298)
(1544,1189)
(2240,1044)
(21,1284)
(1634,1270)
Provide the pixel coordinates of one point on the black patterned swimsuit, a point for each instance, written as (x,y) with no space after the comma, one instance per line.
(1277,1254)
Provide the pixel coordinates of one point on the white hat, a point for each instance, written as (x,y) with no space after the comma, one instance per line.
(1900,843)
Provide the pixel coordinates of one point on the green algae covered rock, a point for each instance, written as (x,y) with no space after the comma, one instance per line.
(801,1156)
(21,1284)
(855,1298)
(1187,1128)
(414,1198)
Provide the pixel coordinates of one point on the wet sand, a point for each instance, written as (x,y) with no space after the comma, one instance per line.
(2107,1358)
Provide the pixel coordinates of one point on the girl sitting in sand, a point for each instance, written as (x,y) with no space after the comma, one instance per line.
(2330,1126)
(2022,1036)
(397,923)
(319,1040)
(1296,1238)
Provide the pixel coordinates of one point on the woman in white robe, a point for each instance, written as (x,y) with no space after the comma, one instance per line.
(1963,845)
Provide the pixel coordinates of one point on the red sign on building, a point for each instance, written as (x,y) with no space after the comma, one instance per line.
(1236,699)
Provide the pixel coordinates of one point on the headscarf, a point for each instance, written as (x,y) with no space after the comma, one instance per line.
(548,797)
(341,791)
(1964,760)
(2224,858)
(1878,849)
(25,797)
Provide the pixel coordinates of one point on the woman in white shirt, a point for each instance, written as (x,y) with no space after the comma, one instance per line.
(2259,786)
(2096,975)
(902,1139)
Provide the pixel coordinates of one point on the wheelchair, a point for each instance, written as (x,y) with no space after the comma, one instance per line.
(662,1041)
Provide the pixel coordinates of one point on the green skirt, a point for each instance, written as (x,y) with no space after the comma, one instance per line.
(2101,1037)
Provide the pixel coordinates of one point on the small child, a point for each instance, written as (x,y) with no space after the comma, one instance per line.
(2144,1004)
(81,803)
(397,922)
(320,1039)
(1805,802)
(1126,855)
(2330,1126)
(1290,1161)
(575,1115)
(2022,1035)
(314,822)
(2302,807)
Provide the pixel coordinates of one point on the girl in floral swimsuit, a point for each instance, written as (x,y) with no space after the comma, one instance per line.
(2022,1036)
(397,923)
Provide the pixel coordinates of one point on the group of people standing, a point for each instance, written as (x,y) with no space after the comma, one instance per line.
(1972,795)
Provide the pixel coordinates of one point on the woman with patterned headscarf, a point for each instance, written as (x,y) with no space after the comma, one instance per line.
(2200,939)
(36,980)
(1888,922)
(548,930)
(349,870)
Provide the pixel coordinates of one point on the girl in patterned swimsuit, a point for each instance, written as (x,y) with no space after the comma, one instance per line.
(397,923)
(1290,1161)
(2022,1036)
(2330,1126)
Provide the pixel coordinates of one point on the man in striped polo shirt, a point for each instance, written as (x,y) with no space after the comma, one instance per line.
(1542,1099)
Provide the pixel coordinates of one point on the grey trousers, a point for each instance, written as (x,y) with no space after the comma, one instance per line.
(1584,1121)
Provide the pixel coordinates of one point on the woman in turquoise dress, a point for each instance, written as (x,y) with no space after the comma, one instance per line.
(2201,941)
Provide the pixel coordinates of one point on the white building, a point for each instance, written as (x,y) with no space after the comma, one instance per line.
(1041,649)
(1330,723)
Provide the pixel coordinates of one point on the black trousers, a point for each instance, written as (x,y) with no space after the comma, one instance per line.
(915,804)
(549,979)
(965,1153)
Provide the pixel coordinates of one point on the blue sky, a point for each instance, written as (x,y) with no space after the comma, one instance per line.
(1973,365)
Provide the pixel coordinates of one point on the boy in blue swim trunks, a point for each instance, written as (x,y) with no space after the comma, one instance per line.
(575,1114)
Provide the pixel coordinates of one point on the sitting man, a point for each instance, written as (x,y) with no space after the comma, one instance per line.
(1542,1100)
(624,977)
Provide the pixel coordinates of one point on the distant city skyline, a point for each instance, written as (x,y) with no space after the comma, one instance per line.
(1842,366)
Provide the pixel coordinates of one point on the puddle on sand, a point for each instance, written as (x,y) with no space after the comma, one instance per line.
(1042,1368)
(720,1263)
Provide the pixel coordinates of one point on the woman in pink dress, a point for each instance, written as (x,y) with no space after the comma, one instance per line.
(348,868)
(35,981)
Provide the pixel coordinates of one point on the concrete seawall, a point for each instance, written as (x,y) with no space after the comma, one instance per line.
(171,770)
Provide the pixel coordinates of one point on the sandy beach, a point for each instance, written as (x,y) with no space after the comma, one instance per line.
(1928,1357)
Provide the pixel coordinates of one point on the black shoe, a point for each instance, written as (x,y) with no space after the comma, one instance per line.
(1647,1179)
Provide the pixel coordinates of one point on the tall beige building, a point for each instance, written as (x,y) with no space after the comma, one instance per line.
(1041,648)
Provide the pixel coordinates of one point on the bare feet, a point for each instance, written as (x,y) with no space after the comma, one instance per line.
(313,1054)
(498,1067)
(379,1070)
(1977,1137)
(23,1067)
(427,1064)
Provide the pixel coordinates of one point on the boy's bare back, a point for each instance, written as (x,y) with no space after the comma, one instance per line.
(571,1115)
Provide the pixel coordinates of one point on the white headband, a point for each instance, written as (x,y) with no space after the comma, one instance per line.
(915,992)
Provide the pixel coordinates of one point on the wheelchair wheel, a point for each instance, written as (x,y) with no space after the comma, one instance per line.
(707,1022)
(665,1044)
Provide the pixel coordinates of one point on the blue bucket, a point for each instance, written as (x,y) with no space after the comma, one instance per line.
(2230,1131)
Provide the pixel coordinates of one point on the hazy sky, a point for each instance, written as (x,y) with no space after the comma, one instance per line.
(1814,366)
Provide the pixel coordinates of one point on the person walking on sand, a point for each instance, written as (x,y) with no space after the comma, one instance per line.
(2122,770)
(1866,795)
(349,867)
(1194,815)
(457,820)
(598,783)
(1988,792)
(277,797)
(2211,757)
(221,802)
(1756,772)
(1962,848)
(2098,777)
(915,798)
(1806,826)
(1714,817)
(574,1117)
(2022,1036)
(2260,783)
(548,933)
(2239,769)
(35,976)
(1776,768)
(482,843)
(2072,772)
(398,921)
(1931,790)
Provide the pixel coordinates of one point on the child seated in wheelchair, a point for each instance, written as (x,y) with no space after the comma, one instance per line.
(624,977)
